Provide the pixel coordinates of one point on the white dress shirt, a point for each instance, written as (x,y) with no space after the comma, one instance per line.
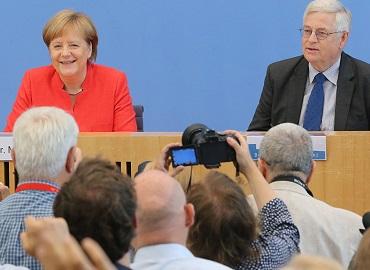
(171,257)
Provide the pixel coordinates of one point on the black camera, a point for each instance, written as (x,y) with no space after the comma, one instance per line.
(202,145)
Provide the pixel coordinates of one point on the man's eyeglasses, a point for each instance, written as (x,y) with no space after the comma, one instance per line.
(320,34)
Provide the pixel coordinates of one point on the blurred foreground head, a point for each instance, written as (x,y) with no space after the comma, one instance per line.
(99,202)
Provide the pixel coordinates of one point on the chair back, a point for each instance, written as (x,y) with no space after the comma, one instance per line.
(139,111)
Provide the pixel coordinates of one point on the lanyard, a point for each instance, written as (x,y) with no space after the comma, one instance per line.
(36,186)
(293,179)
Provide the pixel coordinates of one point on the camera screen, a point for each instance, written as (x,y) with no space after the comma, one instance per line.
(183,156)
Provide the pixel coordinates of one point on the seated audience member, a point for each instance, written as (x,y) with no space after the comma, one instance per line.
(96,96)
(361,259)
(225,228)
(45,154)
(304,262)
(286,162)
(99,202)
(49,241)
(163,219)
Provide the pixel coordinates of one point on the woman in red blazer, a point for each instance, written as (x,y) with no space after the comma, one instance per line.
(97,96)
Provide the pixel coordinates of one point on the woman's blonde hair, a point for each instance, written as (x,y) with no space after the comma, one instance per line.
(67,19)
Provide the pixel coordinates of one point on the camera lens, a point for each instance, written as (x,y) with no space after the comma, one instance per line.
(191,133)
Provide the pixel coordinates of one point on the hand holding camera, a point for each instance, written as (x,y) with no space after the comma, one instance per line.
(261,190)
(202,145)
(240,146)
(163,162)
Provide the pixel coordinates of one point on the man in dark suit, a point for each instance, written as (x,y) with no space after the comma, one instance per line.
(345,88)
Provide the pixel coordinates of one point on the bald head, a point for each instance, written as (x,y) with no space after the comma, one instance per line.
(162,209)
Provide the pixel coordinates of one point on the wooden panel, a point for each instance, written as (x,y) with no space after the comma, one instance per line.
(341,180)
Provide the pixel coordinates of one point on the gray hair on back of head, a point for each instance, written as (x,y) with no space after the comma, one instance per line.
(287,148)
(42,138)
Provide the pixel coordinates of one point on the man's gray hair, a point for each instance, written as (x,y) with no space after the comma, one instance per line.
(42,138)
(287,148)
(342,15)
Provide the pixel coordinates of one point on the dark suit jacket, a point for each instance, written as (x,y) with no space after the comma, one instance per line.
(283,91)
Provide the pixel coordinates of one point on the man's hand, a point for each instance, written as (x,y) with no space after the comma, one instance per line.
(163,161)
(4,191)
(243,156)
(261,190)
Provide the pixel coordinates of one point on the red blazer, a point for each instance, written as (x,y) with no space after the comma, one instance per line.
(103,105)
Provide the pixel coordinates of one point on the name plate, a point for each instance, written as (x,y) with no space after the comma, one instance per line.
(318,143)
(6,145)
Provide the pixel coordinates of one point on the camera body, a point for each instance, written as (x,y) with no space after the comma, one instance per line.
(202,145)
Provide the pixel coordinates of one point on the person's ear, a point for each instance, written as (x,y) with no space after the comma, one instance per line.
(262,166)
(189,214)
(71,160)
(313,167)
(90,50)
(343,40)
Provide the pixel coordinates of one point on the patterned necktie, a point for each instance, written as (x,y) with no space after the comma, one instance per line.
(315,105)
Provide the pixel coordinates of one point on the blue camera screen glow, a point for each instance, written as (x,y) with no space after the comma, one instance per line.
(184,156)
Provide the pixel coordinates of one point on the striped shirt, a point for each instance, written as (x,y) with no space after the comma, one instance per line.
(13,210)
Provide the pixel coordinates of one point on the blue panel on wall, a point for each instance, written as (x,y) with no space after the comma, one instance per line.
(186,61)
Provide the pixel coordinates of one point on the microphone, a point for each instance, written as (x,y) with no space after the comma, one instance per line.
(365,222)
